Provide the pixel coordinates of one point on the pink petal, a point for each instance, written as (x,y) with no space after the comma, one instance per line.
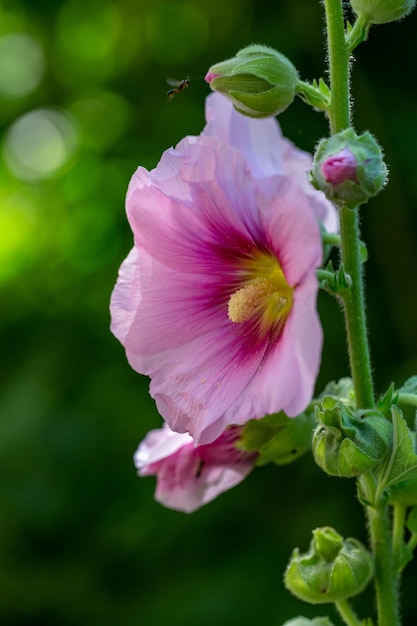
(187,476)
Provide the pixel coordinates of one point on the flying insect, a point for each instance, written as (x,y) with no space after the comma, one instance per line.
(177,86)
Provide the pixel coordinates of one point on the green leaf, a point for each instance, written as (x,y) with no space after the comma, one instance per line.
(277,438)
(401,464)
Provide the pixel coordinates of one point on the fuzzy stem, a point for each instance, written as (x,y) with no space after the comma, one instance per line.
(385,576)
(355,318)
(399,511)
(354,308)
(354,300)
(346,613)
(407,398)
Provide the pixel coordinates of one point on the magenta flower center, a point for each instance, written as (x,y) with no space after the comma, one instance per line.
(264,295)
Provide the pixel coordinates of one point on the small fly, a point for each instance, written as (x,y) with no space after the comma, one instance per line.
(177,86)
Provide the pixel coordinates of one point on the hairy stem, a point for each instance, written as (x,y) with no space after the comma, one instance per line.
(346,613)
(355,317)
(354,299)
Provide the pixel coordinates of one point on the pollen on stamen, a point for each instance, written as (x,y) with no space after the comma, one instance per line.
(245,301)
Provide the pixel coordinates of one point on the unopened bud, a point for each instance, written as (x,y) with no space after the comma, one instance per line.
(382,11)
(260,81)
(346,444)
(339,167)
(349,168)
(333,569)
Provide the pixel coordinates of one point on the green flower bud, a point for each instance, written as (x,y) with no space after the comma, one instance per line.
(345,444)
(382,11)
(349,168)
(260,81)
(303,621)
(333,569)
(342,390)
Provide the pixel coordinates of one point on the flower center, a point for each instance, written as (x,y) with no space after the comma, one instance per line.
(265,296)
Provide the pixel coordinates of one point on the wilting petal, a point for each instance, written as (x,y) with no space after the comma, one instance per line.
(190,476)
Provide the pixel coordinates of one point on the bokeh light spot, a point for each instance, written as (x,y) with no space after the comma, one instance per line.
(176,32)
(22,64)
(17,227)
(39,144)
(87,37)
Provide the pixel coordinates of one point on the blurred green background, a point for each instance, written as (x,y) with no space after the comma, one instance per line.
(82,104)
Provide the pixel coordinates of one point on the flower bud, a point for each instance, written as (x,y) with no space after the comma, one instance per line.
(382,11)
(333,569)
(349,168)
(345,444)
(260,81)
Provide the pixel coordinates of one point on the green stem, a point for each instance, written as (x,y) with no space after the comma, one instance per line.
(354,307)
(325,275)
(358,33)
(354,300)
(407,398)
(346,613)
(338,66)
(385,577)
(399,511)
(355,317)
(331,239)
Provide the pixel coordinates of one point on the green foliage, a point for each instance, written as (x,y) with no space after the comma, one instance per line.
(277,438)
(82,541)
(401,464)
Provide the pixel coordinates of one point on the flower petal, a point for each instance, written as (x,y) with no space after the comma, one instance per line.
(187,476)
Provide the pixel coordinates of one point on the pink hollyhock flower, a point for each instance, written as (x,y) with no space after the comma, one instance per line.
(217,300)
(190,476)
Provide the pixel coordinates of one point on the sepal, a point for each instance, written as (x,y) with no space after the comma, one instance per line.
(333,569)
(317,94)
(348,444)
(334,281)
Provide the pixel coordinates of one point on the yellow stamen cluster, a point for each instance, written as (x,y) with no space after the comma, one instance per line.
(265,296)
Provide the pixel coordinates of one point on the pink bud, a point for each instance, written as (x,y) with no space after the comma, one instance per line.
(210,76)
(339,167)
